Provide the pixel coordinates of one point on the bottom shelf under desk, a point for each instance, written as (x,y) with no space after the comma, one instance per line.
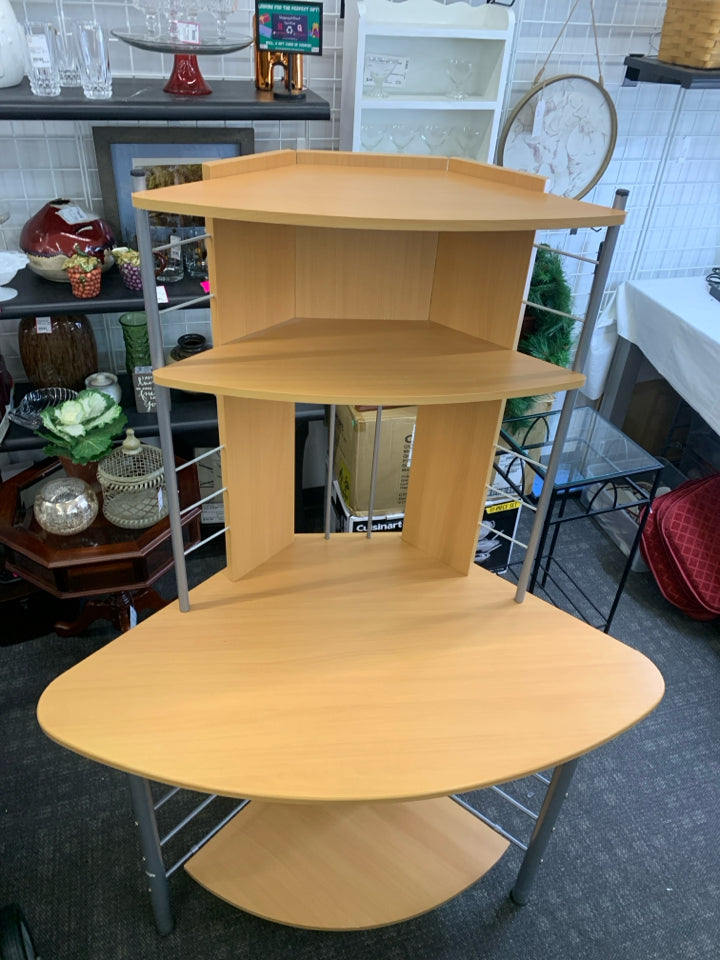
(346,866)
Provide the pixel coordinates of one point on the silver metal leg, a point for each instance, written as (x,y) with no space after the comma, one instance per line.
(554,798)
(153,863)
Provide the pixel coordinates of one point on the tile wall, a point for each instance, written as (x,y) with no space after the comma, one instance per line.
(667,153)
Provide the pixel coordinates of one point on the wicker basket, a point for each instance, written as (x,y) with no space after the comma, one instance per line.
(691,34)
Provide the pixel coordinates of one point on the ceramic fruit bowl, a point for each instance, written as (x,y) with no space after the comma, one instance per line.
(10,262)
(56,231)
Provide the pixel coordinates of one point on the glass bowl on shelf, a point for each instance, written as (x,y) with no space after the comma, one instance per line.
(65,506)
(10,262)
(27,412)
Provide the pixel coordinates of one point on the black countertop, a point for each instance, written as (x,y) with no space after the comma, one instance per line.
(38,296)
(140,98)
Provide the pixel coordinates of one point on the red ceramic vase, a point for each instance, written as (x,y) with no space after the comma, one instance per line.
(55,231)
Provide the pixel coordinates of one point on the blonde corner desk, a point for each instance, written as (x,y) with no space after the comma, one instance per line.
(350,687)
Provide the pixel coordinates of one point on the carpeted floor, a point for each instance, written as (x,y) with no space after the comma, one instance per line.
(632,872)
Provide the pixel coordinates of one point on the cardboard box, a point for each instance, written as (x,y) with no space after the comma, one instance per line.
(348,522)
(354,441)
(500,520)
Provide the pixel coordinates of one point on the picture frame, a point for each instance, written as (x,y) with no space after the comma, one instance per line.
(169,154)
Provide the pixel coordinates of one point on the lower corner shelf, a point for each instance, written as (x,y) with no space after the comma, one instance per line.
(345,866)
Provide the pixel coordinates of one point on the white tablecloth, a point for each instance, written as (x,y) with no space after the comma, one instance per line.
(676,325)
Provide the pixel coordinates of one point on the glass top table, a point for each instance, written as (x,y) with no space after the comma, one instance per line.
(595,451)
(610,472)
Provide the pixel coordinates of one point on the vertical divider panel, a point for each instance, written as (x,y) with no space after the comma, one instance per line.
(252,277)
(480,281)
(258,465)
(453,454)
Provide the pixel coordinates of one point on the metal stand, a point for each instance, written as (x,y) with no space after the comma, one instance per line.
(152,854)
(554,799)
(602,271)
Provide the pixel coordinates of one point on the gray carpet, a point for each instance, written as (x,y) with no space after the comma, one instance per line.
(633,870)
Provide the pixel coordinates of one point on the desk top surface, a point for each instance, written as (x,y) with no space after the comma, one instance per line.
(350,669)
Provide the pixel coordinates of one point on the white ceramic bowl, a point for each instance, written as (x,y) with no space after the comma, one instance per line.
(10,262)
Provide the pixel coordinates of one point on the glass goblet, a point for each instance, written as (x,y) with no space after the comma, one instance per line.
(458,72)
(378,70)
(402,135)
(434,136)
(371,135)
(221,10)
(470,141)
(151,9)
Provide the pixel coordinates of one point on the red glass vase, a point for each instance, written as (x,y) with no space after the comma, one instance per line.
(186,79)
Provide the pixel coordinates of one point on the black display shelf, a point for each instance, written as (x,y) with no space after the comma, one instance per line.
(37,296)
(642,69)
(192,415)
(143,99)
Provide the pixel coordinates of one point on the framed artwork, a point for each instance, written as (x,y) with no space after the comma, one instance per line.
(564,129)
(169,155)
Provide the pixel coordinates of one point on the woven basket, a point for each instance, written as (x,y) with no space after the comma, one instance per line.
(691,34)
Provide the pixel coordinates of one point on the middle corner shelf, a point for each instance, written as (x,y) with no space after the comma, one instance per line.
(370,361)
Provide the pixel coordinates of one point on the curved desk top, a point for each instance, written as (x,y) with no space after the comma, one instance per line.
(350,669)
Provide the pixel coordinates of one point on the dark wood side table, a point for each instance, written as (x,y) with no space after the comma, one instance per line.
(113,567)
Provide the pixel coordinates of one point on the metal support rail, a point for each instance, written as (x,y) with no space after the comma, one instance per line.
(188,819)
(162,394)
(208,836)
(515,803)
(329,474)
(164,799)
(558,313)
(187,303)
(602,271)
(565,253)
(490,823)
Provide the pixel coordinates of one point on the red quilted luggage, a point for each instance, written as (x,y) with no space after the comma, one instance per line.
(681,545)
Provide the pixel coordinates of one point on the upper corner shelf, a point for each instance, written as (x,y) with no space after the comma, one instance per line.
(651,70)
(376,192)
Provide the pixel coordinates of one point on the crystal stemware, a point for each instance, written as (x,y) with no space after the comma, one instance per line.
(402,135)
(378,70)
(434,136)
(151,9)
(173,10)
(469,140)
(371,135)
(458,72)
(221,10)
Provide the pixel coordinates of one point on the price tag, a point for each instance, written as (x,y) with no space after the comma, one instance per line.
(43,325)
(188,32)
(160,500)
(162,296)
(133,616)
(73,214)
(394,69)
(39,52)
